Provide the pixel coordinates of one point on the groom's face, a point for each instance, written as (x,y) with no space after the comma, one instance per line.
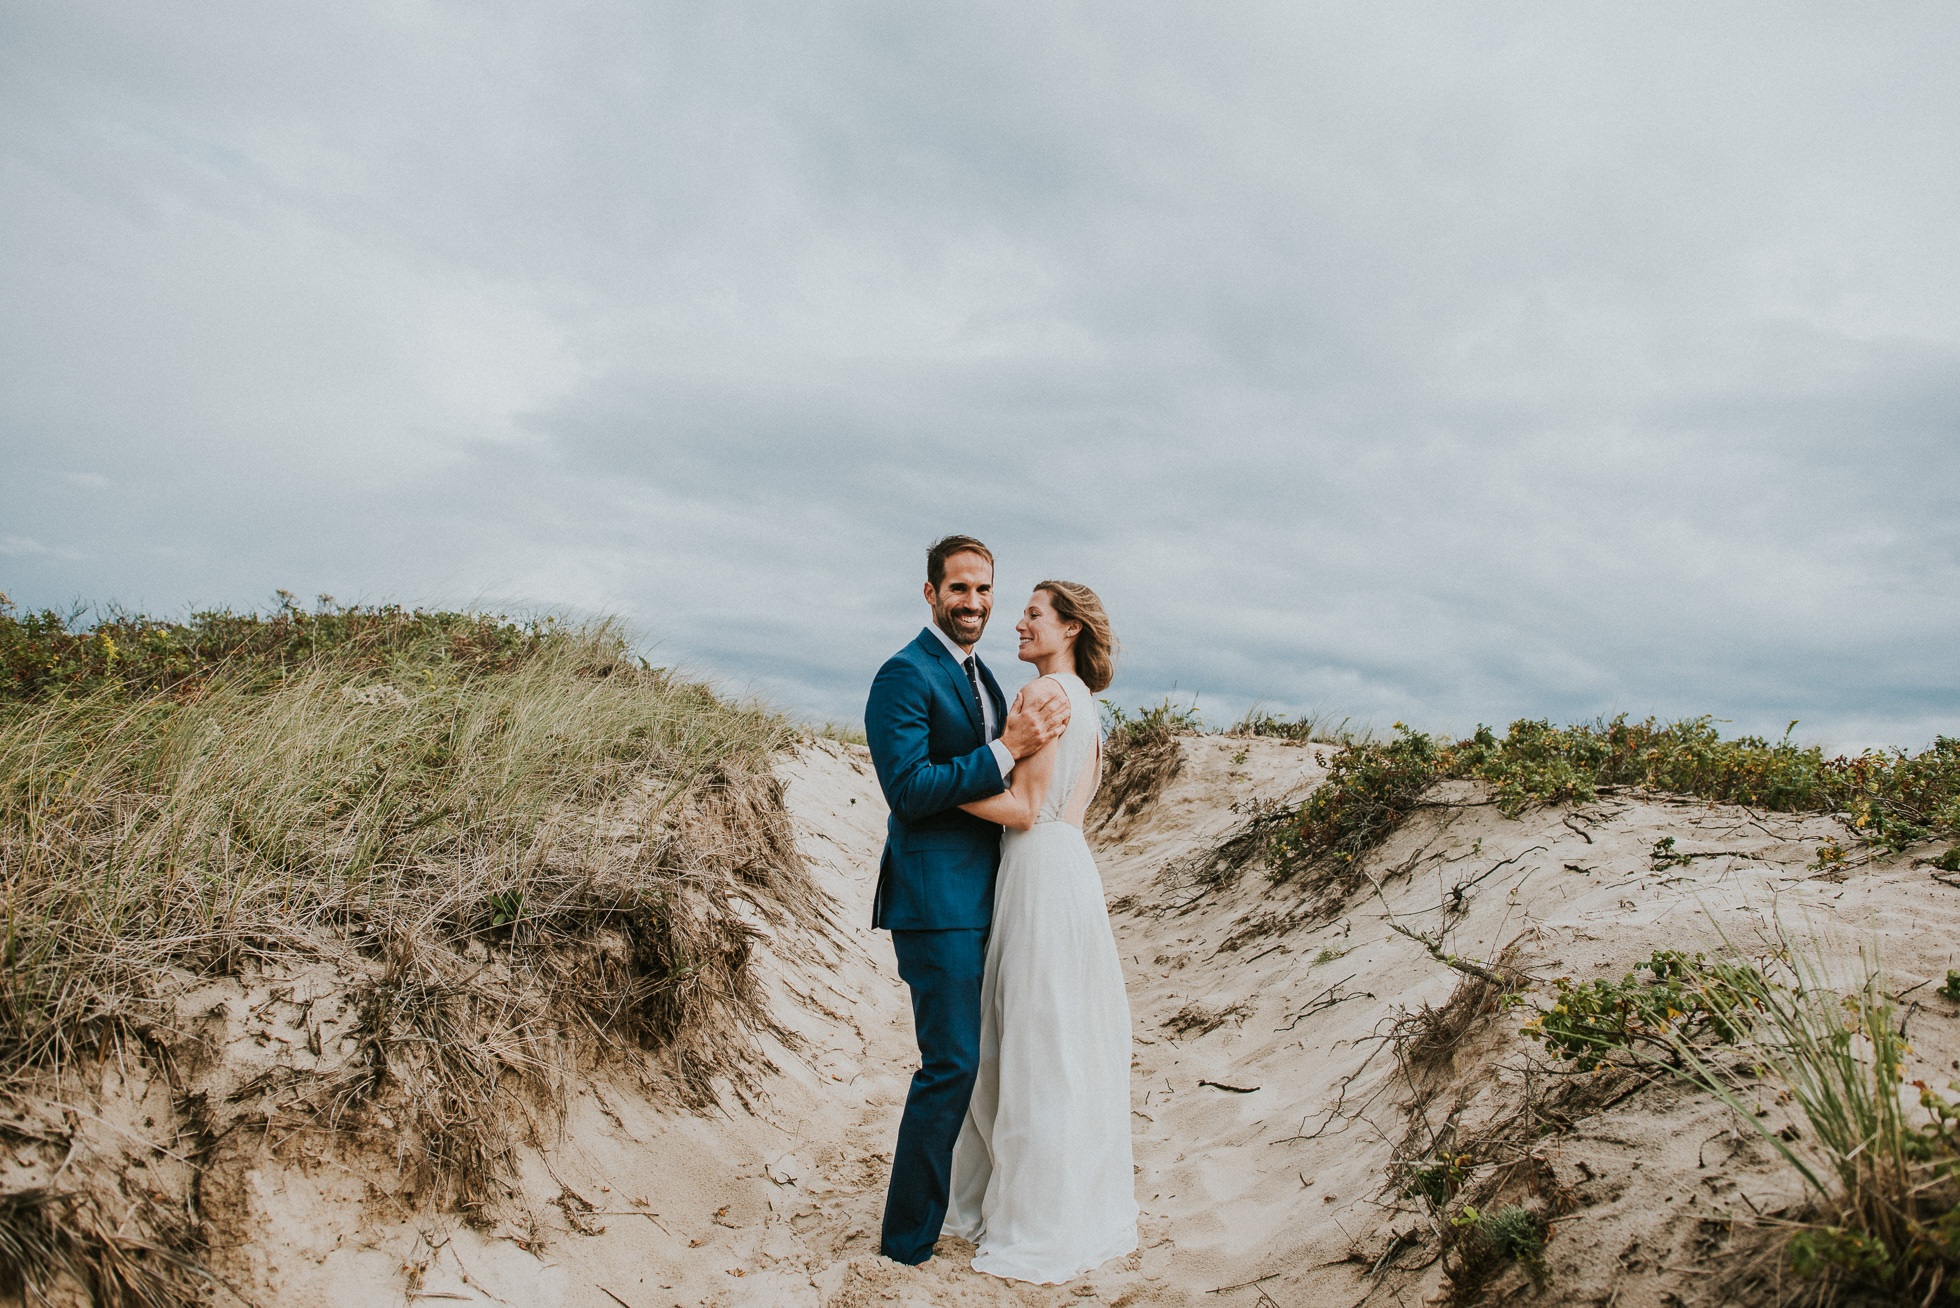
(964,598)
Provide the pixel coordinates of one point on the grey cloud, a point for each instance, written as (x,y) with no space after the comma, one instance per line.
(1402,362)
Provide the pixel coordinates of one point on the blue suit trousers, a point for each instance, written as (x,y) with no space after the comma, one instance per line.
(942,969)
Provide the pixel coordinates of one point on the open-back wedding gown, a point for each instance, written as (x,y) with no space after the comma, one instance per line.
(1042,1177)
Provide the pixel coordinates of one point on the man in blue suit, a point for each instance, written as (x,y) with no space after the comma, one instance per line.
(941,735)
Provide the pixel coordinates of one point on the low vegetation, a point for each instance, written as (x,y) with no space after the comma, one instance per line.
(513,838)
(1891,799)
(1308,728)
(1140,758)
(1884,1180)
(52,655)
(1481,1242)
(1679,999)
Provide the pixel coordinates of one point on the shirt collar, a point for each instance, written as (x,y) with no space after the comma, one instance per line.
(959,655)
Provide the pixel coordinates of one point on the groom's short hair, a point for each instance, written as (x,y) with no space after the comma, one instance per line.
(945,548)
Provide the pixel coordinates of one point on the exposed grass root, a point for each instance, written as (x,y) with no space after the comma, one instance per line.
(55,1247)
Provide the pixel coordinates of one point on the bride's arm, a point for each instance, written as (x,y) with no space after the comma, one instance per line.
(1018,805)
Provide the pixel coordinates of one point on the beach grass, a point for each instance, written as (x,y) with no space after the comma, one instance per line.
(405,794)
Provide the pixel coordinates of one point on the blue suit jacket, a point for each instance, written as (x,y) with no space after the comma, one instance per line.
(931,753)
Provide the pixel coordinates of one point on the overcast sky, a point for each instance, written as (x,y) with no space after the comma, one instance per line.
(1448,363)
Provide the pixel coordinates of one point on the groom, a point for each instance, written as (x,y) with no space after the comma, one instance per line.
(941,736)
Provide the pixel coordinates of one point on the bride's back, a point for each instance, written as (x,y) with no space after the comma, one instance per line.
(1075,782)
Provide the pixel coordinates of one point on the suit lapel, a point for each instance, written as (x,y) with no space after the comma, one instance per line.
(994,693)
(957,676)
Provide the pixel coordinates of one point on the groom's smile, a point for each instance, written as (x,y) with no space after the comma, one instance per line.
(964,598)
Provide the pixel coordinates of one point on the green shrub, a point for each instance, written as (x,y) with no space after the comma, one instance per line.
(1681,998)
(1370,789)
(1823,1250)
(1535,763)
(1663,856)
(1891,799)
(1895,798)
(1438,1178)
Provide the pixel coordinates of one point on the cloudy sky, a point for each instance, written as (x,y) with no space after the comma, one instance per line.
(1436,362)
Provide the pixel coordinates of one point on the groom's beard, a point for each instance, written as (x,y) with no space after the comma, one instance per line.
(948,620)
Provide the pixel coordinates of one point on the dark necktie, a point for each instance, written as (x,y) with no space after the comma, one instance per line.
(972,666)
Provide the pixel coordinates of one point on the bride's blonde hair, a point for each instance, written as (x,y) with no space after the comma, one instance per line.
(1095,644)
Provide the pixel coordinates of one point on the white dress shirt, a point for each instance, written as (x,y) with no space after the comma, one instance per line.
(1002,755)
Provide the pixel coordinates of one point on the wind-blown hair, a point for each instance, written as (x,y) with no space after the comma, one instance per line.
(1095,644)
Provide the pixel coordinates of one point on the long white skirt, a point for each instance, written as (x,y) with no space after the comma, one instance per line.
(1042,1176)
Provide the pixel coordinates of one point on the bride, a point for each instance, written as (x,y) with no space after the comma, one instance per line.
(1042,1178)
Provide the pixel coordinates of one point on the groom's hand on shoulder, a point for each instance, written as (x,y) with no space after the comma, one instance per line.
(1040,713)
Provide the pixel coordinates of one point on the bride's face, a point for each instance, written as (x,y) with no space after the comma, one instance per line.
(1042,631)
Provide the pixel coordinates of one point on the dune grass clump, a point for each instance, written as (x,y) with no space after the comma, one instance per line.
(517,845)
(1308,728)
(1140,757)
(49,654)
(1484,1241)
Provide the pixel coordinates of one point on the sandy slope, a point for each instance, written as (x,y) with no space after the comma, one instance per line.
(1269,1102)
(1281,1190)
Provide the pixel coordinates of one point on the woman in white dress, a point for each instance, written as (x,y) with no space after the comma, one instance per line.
(1042,1177)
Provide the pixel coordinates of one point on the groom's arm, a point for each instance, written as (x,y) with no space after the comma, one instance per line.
(898,728)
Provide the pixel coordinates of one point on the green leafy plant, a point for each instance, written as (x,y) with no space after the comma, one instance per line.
(1680,998)
(1537,763)
(1370,789)
(1889,799)
(1662,855)
(506,906)
(1895,798)
(1822,1250)
(1951,988)
(1438,1178)
(1950,860)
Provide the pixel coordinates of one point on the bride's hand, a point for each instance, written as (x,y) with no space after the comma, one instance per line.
(1040,713)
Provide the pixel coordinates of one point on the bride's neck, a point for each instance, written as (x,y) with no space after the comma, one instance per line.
(1060,661)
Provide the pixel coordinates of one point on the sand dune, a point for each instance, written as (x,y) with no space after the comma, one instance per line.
(1270,1099)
